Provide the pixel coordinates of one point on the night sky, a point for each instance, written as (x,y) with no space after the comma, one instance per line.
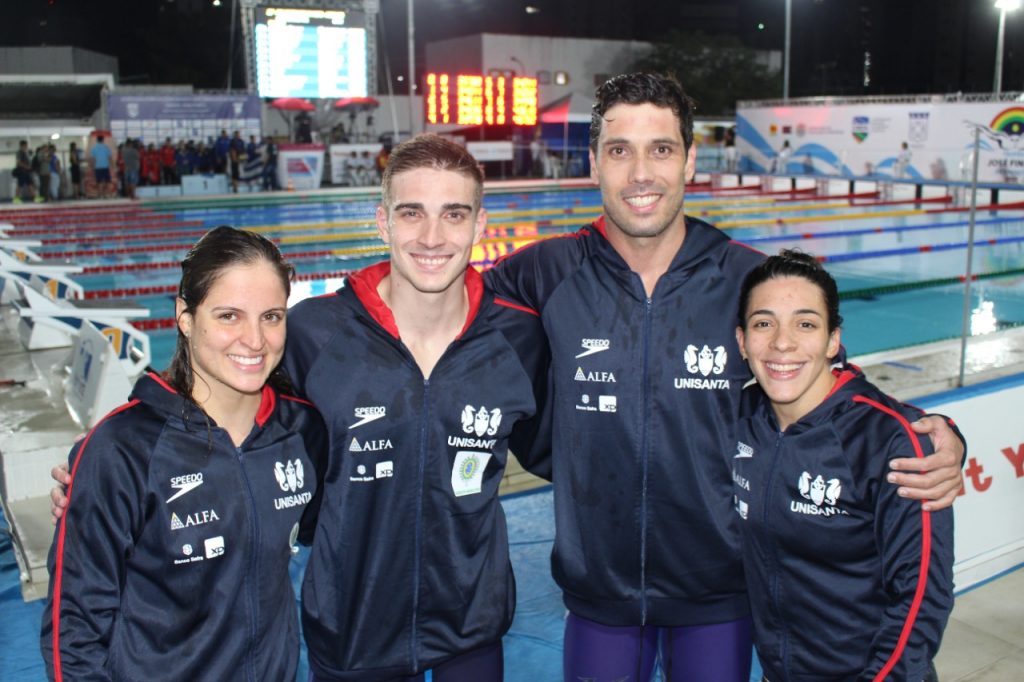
(915,45)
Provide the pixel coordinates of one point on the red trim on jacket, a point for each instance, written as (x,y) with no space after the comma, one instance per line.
(365,282)
(926,547)
(515,306)
(160,380)
(842,377)
(268,400)
(58,574)
(293,399)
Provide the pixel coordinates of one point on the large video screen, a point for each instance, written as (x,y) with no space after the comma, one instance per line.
(310,53)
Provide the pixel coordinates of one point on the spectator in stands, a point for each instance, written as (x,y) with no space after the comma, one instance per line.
(731,153)
(41,167)
(181,159)
(75,166)
(207,159)
(899,168)
(252,149)
(132,164)
(120,171)
(220,152)
(151,165)
(537,154)
(782,158)
(382,158)
(101,156)
(236,152)
(23,174)
(270,181)
(54,172)
(367,169)
(168,163)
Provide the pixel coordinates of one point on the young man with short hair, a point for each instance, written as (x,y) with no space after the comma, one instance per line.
(425,380)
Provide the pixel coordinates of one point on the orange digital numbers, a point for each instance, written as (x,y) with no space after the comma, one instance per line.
(481,100)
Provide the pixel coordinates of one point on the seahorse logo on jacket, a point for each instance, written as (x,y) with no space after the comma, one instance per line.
(477,421)
(701,364)
(291,477)
(824,495)
(481,421)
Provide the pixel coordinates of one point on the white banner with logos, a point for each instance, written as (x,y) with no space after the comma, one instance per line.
(989,524)
(867,139)
(300,166)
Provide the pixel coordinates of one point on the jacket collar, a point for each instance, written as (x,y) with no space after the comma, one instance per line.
(702,242)
(364,285)
(153,390)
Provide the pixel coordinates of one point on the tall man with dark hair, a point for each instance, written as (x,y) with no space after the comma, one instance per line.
(639,313)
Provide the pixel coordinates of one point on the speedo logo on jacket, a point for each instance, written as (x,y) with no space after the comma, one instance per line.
(702,366)
(365,415)
(592,346)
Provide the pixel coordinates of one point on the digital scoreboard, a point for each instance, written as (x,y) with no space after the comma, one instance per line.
(310,53)
(473,100)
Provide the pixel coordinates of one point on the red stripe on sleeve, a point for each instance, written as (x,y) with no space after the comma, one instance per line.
(58,575)
(516,306)
(926,548)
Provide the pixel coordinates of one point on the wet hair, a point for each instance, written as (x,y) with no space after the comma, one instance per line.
(431,151)
(793,263)
(219,249)
(642,88)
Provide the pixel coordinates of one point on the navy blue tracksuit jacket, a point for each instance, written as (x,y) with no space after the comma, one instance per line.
(410,563)
(846,578)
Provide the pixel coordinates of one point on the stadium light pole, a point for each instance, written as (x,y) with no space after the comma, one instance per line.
(785,51)
(412,66)
(1003,6)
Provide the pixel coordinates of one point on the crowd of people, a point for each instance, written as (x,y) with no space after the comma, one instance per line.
(253,161)
(612,362)
(134,163)
(39,174)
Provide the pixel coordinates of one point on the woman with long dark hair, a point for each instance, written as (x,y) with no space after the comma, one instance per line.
(171,557)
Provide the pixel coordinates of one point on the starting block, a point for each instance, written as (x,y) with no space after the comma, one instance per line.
(46,323)
(17,265)
(98,382)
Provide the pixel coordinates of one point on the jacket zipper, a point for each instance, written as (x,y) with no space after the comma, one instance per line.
(253,570)
(418,543)
(645,397)
(774,589)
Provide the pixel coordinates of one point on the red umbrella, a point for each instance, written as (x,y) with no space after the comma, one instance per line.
(356,103)
(293,104)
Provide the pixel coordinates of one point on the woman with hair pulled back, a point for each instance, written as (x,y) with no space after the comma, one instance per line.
(847,580)
(171,558)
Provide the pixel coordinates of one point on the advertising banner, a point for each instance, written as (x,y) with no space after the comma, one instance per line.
(300,166)
(989,528)
(868,140)
(154,118)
